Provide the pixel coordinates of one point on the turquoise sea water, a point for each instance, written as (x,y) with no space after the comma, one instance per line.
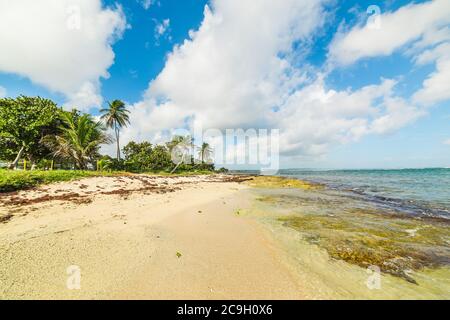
(411,191)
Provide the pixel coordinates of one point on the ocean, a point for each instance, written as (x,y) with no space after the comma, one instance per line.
(419,192)
(412,191)
(396,221)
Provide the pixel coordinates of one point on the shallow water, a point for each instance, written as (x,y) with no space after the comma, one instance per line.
(336,240)
(413,191)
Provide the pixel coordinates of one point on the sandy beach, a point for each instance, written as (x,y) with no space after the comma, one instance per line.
(208,237)
(147,238)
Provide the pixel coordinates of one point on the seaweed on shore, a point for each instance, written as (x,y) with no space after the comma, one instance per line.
(5,218)
(282,182)
(396,246)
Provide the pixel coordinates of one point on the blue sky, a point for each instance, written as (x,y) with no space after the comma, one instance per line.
(404,124)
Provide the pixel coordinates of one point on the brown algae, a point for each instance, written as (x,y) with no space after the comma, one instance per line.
(281,182)
(358,234)
(396,247)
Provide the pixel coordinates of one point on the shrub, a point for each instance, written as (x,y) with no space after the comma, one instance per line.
(12,180)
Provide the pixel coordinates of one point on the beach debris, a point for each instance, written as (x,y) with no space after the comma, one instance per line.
(178,254)
(5,218)
(139,183)
(199,211)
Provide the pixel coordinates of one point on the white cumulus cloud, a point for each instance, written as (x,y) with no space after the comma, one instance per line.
(236,71)
(146,4)
(420,31)
(436,87)
(231,68)
(63,45)
(162,28)
(410,23)
(315,118)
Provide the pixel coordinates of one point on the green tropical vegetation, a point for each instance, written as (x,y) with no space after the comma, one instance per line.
(41,143)
(23,123)
(116,117)
(12,180)
(77,139)
(205,153)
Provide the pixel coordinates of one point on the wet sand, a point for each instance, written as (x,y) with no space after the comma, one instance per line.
(346,248)
(198,237)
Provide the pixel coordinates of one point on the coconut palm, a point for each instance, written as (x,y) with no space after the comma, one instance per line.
(180,147)
(116,117)
(205,152)
(172,144)
(78,140)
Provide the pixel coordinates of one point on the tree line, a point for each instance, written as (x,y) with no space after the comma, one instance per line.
(37,130)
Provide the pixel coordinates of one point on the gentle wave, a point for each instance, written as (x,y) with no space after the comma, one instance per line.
(421,192)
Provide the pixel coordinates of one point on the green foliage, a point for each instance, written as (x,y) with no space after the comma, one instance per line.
(116,117)
(105,164)
(135,151)
(142,157)
(137,156)
(23,122)
(44,164)
(176,140)
(160,159)
(79,139)
(36,130)
(205,153)
(8,149)
(181,148)
(117,165)
(12,180)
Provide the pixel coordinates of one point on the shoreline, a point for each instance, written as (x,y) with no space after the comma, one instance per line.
(184,244)
(195,237)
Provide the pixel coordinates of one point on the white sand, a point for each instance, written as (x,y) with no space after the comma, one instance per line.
(126,244)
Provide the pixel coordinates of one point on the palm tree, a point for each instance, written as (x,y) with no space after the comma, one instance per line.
(116,117)
(176,140)
(78,140)
(205,152)
(179,148)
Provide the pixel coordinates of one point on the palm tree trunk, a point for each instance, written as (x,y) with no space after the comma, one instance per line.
(178,164)
(81,165)
(13,164)
(118,145)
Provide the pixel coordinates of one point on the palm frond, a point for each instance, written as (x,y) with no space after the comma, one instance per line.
(79,140)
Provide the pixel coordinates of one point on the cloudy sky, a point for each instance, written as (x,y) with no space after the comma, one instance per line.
(349,84)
